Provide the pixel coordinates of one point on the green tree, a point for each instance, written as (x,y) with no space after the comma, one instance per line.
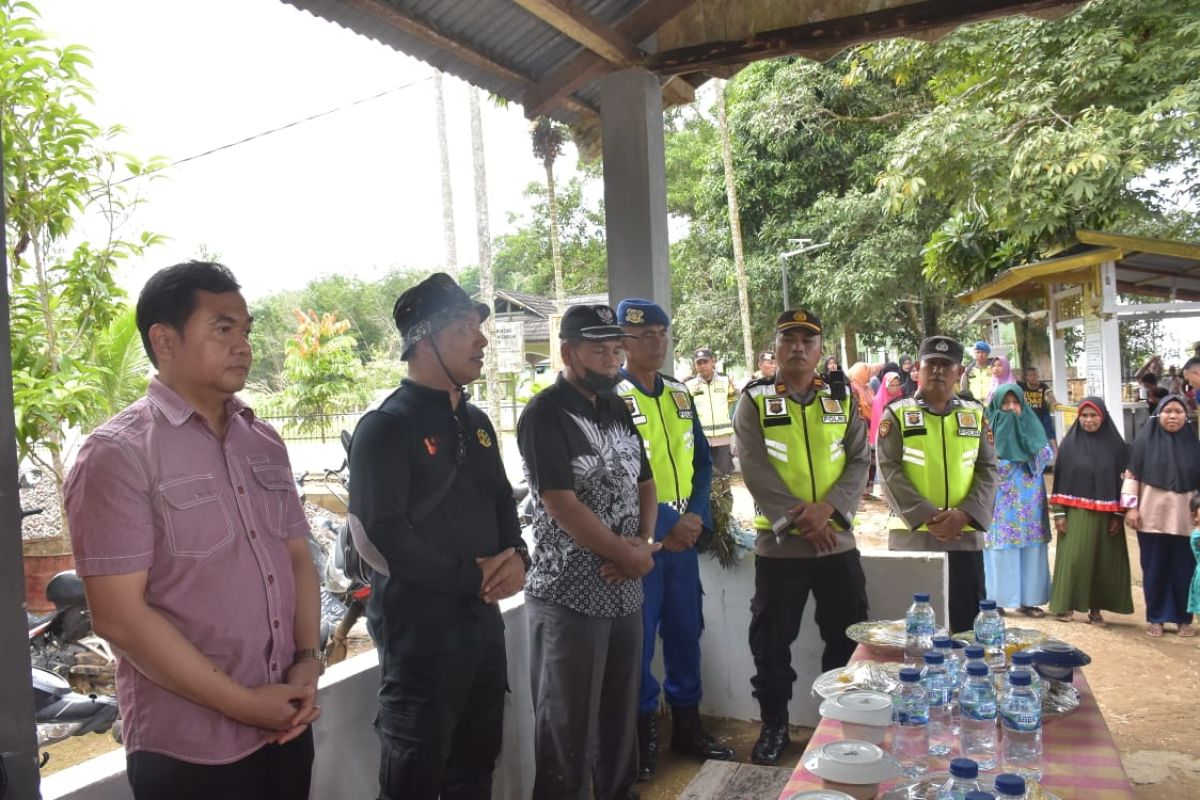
(322,372)
(58,168)
(1042,128)
(548,139)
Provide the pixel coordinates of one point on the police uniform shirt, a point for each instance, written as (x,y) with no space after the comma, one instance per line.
(772,495)
(568,443)
(915,509)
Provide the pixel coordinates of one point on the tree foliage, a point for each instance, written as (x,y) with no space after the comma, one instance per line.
(59,167)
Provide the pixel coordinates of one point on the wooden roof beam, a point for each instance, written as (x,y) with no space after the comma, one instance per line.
(841,32)
(573,22)
(584,67)
(391,15)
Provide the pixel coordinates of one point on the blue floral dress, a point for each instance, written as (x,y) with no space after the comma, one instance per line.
(1194,594)
(1015,559)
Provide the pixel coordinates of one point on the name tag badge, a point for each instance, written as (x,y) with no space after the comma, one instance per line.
(638,417)
(914,418)
(833,418)
(683,404)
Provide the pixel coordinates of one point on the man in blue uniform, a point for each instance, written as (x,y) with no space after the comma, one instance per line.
(678,452)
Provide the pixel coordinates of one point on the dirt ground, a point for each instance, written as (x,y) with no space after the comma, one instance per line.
(1149,691)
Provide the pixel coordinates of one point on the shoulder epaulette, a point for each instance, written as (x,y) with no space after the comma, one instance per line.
(763,381)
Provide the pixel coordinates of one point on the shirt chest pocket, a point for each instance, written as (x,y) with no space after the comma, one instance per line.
(274,484)
(195,515)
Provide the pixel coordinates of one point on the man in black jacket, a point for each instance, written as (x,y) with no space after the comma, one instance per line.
(428,490)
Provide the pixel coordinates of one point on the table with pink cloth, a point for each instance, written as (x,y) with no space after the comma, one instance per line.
(1081,759)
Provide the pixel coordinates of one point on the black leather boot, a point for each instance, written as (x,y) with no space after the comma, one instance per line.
(647,733)
(773,738)
(689,737)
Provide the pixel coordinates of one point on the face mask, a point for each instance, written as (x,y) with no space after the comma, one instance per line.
(599,383)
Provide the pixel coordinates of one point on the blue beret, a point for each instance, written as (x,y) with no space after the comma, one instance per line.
(984,346)
(635,312)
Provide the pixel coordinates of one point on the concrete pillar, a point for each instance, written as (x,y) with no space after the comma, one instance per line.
(1110,344)
(635,187)
(1058,358)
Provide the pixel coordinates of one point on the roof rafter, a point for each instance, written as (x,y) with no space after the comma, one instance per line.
(586,66)
(401,21)
(572,21)
(841,32)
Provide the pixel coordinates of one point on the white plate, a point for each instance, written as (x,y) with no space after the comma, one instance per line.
(851,761)
(861,708)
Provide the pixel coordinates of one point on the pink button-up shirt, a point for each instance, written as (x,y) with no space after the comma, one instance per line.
(154,489)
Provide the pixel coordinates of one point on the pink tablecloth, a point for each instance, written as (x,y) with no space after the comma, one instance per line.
(1081,760)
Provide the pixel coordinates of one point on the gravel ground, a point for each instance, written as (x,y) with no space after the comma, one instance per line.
(40,495)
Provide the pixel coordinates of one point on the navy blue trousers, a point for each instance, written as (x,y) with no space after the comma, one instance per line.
(1167,567)
(672,610)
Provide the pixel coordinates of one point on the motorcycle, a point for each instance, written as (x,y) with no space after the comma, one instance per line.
(62,642)
(61,713)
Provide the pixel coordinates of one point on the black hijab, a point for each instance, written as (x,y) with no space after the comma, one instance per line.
(1164,460)
(1087,472)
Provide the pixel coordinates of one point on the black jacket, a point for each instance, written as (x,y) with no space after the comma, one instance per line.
(410,449)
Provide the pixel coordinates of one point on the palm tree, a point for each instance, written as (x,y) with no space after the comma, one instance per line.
(548,140)
(735,228)
(439,97)
(487,280)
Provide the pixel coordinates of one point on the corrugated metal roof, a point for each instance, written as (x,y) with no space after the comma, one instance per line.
(528,49)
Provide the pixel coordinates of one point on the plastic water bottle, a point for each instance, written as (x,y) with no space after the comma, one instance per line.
(980,795)
(1022,661)
(919,626)
(964,778)
(1010,787)
(973,653)
(1021,715)
(953,658)
(940,694)
(989,632)
(910,724)
(977,700)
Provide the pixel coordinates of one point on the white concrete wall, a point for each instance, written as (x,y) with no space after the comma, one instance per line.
(347,762)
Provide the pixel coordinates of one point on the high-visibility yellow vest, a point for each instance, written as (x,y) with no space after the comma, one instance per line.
(940,451)
(804,442)
(665,423)
(712,404)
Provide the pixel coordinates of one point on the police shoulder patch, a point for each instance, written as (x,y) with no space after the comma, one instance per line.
(885,427)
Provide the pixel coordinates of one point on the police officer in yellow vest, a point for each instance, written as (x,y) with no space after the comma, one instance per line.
(938,465)
(678,453)
(804,456)
(714,394)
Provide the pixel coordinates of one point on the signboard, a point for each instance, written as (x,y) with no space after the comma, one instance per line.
(1093,354)
(508,345)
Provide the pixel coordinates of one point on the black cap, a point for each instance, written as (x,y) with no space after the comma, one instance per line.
(941,347)
(593,323)
(431,305)
(703,353)
(798,318)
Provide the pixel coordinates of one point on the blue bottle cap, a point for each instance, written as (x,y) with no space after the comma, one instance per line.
(977,669)
(910,675)
(974,651)
(921,597)
(987,605)
(934,657)
(1019,678)
(964,768)
(1009,783)
(1022,658)
(943,642)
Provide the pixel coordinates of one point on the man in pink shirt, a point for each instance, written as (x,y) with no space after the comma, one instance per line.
(190,538)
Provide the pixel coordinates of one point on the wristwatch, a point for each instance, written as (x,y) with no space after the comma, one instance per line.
(315,655)
(523,552)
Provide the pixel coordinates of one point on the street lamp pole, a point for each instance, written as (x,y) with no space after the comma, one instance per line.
(806,246)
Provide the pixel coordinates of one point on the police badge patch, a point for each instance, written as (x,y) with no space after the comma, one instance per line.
(914,418)
(634,316)
(831,406)
(683,404)
(967,420)
(634,411)
(776,407)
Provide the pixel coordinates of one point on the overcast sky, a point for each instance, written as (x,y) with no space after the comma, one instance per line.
(357,191)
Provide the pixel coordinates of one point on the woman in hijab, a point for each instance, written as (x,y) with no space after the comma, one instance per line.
(1001,374)
(1016,566)
(889,390)
(1163,474)
(1091,564)
(860,377)
(909,382)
